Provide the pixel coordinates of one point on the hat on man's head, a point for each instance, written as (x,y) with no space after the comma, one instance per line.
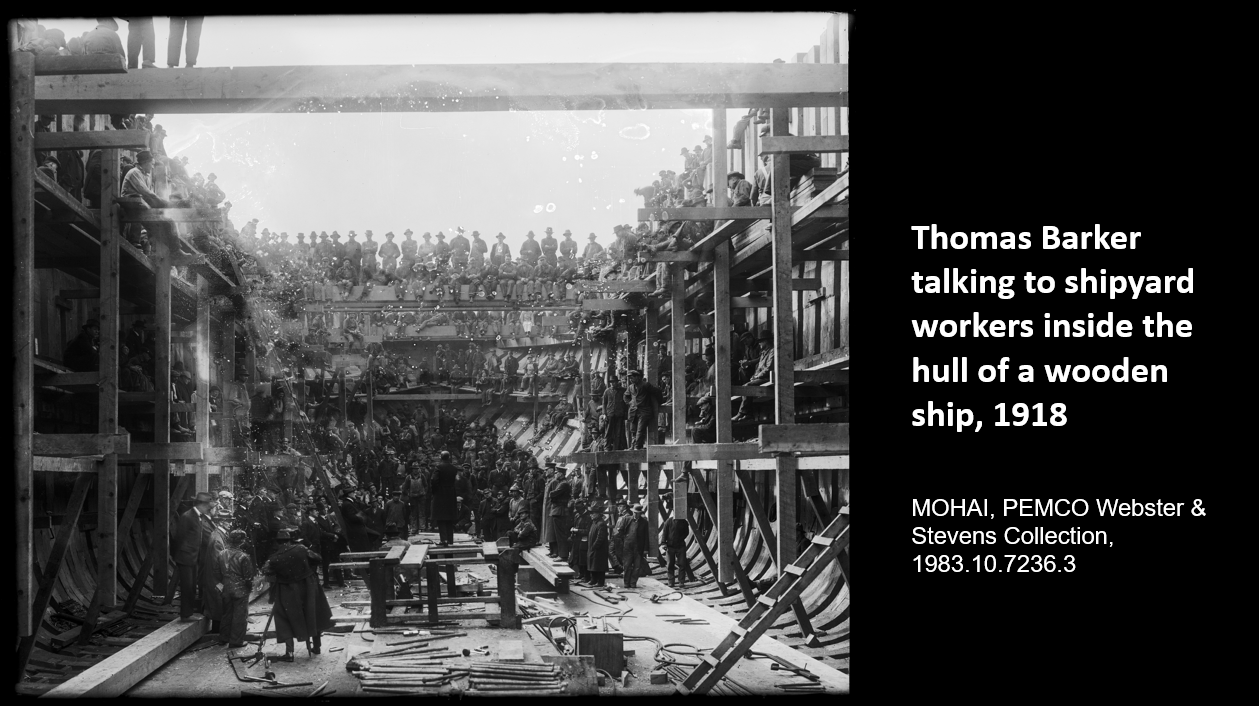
(765,336)
(734,175)
(203,498)
(408,231)
(108,22)
(635,373)
(500,236)
(283,536)
(708,138)
(592,236)
(144,157)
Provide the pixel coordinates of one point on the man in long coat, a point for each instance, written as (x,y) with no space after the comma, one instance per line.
(445,499)
(331,541)
(597,545)
(559,492)
(301,610)
(635,548)
(356,524)
(579,535)
(192,550)
(676,530)
(234,571)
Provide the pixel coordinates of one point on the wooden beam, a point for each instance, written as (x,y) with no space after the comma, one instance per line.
(618,285)
(806,285)
(607,305)
(161,415)
(677,378)
(696,452)
(22,173)
(93,140)
(188,260)
(90,64)
(80,444)
(751,302)
(426,397)
(815,204)
(752,391)
(445,88)
(804,145)
(78,293)
(804,438)
(688,257)
(820,463)
(836,358)
(65,531)
(704,213)
(107,389)
(228,456)
(819,255)
(72,379)
(724,519)
(822,377)
(66,201)
(164,451)
(117,673)
(58,464)
(783,323)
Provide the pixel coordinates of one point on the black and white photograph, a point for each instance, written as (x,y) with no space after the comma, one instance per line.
(431,355)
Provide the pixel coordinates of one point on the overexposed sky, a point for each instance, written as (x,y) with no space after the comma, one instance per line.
(492,172)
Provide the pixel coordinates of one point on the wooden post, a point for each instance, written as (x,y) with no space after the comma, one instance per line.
(22,174)
(107,395)
(651,374)
(201,357)
(161,417)
(724,519)
(678,379)
(507,618)
(378,583)
(784,343)
(369,429)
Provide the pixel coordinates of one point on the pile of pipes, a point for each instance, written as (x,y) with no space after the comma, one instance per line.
(407,667)
(513,678)
(725,687)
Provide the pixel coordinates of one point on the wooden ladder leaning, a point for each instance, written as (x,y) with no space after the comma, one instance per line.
(823,548)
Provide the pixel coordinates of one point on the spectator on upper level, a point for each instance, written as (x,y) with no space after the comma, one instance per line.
(741,191)
(140,36)
(177,26)
(501,252)
(459,243)
(104,39)
(593,250)
(83,352)
(530,251)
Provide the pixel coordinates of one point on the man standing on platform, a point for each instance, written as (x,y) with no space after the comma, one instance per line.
(530,251)
(415,491)
(501,252)
(593,250)
(643,399)
(445,499)
(558,493)
(356,524)
(396,512)
(579,532)
(619,529)
(301,610)
(614,407)
(549,247)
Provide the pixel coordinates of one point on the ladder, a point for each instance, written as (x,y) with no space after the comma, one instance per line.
(791,582)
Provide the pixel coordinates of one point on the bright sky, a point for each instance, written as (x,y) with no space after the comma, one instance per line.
(492,172)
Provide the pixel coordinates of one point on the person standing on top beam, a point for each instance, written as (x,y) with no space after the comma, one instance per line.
(501,252)
(530,251)
(549,247)
(177,26)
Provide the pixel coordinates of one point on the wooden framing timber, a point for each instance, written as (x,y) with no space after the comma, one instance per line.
(818,463)
(607,305)
(90,64)
(92,140)
(167,451)
(684,256)
(429,397)
(614,286)
(705,213)
(107,387)
(115,674)
(696,452)
(172,215)
(804,145)
(80,444)
(445,88)
(58,464)
(804,438)
(72,379)
(22,175)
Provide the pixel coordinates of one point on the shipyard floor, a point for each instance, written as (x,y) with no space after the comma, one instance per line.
(207,672)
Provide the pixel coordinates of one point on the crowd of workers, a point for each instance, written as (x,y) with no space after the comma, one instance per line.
(103,39)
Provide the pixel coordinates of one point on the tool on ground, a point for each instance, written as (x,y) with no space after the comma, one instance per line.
(262,637)
(285,686)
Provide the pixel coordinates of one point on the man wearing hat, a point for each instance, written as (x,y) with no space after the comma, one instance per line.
(83,352)
(389,253)
(193,537)
(501,252)
(634,546)
(356,524)
(459,243)
(354,251)
(479,246)
(410,250)
(445,499)
(234,573)
(396,511)
(579,533)
(676,530)
(104,38)
(621,517)
(558,521)
(415,490)
(523,538)
(518,503)
(741,191)
(370,248)
(301,610)
(549,247)
(530,251)
(764,370)
(643,399)
(593,250)
(425,249)
(441,250)
(597,536)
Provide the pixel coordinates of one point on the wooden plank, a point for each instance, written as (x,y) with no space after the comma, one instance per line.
(73,379)
(22,176)
(511,651)
(704,213)
(77,293)
(836,358)
(89,64)
(227,456)
(677,377)
(819,255)
(786,479)
(201,360)
(58,464)
(724,517)
(617,285)
(161,415)
(92,140)
(666,256)
(696,452)
(431,396)
(752,391)
(115,674)
(606,305)
(783,324)
(167,451)
(80,444)
(751,302)
(820,463)
(107,389)
(804,145)
(821,377)
(806,285)
(813,206)
(280,460)
(804,438)
(444,88)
